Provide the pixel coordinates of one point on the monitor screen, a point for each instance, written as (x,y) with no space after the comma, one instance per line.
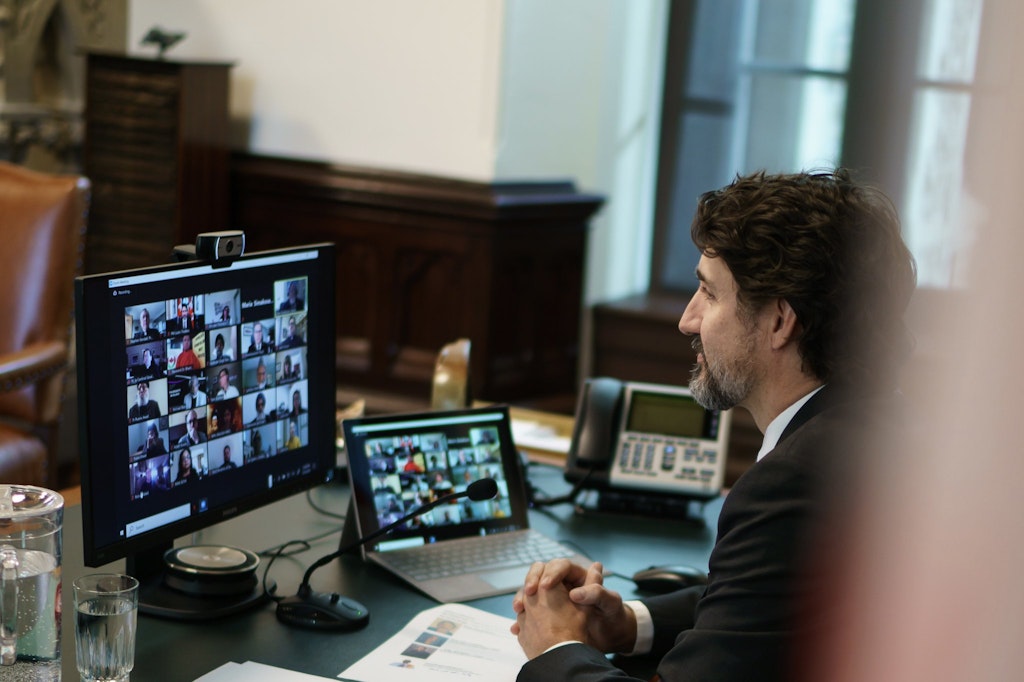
(203,392)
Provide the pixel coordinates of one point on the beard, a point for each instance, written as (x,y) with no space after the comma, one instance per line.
(724,384)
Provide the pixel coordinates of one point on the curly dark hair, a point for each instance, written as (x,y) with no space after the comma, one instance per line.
(831,248)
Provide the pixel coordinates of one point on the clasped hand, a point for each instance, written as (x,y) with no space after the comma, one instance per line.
(561,601)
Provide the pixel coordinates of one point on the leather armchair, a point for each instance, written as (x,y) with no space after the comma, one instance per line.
(42,227)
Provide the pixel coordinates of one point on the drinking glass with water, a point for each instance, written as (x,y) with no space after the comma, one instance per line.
(106,612)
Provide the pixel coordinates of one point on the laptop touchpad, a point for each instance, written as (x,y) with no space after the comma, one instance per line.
(511,578)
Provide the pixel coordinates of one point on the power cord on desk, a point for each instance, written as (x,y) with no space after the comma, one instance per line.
(321,510)
(538,499)
(305,544)
(278,551)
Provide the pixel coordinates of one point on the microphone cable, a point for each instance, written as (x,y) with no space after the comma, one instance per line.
(305,544)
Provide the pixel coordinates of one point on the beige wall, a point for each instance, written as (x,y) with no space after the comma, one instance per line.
(474,89)
(403,85)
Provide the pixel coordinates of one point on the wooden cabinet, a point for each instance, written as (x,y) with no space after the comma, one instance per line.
(156,150)
(424,260)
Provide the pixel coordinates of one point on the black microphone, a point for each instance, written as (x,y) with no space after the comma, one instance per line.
(331,611)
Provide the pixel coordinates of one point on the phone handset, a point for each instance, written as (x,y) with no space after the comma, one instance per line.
(597,420)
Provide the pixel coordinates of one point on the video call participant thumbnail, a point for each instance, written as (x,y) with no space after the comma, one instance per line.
(222,345)
(292,432)
(186,466)
(144,361)
(255,409)
(185,314)
(296,404)
(195,430)
(290,364)
(143,405)
(186,391)
(149,476)
(187,358)
(225,417)
(225,454)
(154,443)
(258,373)
(293,442)
(259,343)
(224,386)
(224,307)
(143,329)
(290,334)
(291,400)
(293,297)
(258,443)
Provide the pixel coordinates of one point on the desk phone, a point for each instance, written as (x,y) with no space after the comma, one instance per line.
(649,438)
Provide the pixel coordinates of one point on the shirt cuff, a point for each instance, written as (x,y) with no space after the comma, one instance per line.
(555,646)
(644,628)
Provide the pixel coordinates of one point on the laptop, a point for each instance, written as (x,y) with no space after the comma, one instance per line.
(462,549)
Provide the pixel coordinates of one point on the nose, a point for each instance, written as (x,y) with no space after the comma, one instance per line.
(689,323)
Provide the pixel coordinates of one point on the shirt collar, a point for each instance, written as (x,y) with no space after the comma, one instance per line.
(779,424)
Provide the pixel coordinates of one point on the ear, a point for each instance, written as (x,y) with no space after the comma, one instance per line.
(785,326)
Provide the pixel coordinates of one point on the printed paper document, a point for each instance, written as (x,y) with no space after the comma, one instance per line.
(447,642)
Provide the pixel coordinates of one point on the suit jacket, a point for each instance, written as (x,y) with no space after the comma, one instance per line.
(742,626)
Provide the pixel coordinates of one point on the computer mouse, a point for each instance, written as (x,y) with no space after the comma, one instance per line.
(661,579)
(322,611)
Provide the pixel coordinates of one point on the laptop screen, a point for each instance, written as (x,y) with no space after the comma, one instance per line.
(400,462)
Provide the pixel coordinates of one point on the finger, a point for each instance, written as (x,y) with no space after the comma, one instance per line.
(595,574)
(558,571)
(517,627)
(587,595)
(517,602)
(533,577)
(596,596)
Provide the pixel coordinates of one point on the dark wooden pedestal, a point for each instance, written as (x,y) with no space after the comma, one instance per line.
(424,260)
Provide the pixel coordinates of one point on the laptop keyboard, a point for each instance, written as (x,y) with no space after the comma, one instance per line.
(458,557)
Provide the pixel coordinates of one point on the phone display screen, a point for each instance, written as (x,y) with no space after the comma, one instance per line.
(670,415)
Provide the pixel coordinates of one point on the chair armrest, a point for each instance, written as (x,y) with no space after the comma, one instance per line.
(32,364)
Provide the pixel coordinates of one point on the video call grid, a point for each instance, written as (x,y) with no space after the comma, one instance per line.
(214,381)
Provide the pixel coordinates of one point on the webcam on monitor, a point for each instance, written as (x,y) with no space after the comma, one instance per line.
(219,249)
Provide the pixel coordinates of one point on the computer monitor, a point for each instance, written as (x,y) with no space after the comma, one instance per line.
(204,391)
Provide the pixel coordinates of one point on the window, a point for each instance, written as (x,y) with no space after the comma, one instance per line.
(786,85)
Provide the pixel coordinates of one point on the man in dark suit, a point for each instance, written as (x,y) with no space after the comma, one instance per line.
(258,345)
(803,280)
(145,332)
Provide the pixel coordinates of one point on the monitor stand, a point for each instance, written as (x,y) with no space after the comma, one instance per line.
(197,582)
